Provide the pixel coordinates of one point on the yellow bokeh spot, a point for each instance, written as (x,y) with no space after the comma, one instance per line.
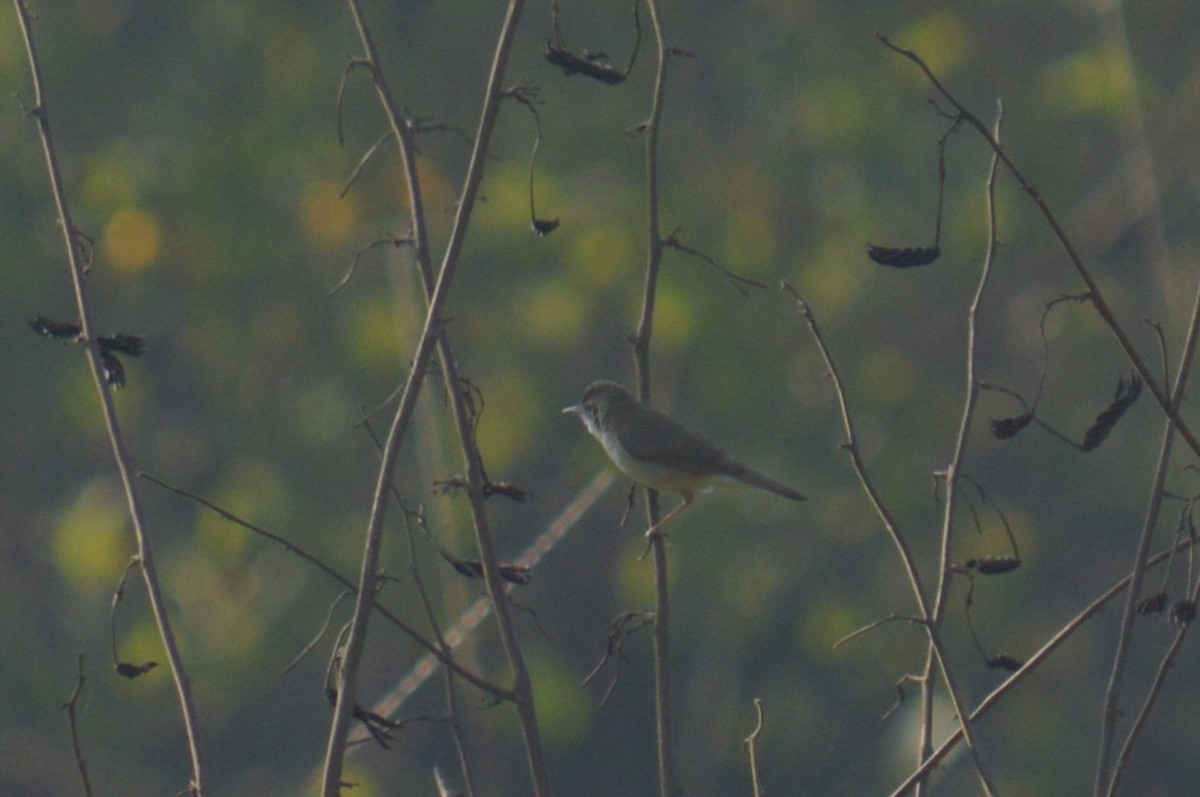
(635,575)
(749,241)
(555,314)
(326,218)
(375,332)
(674,318)
(109,183)
(819,629)
(604,256)
(1090,81)
(563,710)
(889,376)
(221,619)
(89,544)
(508,419)
(132,239)
(833,278)
(506,195)
(939,39)
(832,112)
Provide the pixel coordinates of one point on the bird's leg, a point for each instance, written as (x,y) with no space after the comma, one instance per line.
(657,529)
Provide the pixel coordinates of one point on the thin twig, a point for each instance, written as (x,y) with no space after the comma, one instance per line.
(641,354)
(1105,784)
(316,640)
(120,452)
(952,471)
(69,705)
(751,743)
(1160,677)
(869,627)
(452,715)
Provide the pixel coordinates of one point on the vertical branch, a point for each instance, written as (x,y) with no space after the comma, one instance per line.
(898,540)
(1160,677)
(1105,783)
(120,452)
(70,705)
(464,761)
(951,474)
(641,353)
(339,730)
(522,689)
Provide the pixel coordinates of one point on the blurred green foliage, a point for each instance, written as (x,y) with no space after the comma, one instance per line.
(200,153)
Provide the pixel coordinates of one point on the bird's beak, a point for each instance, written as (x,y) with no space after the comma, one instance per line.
(574,409)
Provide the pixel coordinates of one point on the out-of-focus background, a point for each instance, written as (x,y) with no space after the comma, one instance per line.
(200,153)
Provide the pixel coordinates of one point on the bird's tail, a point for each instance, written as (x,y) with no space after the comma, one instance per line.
(756,479)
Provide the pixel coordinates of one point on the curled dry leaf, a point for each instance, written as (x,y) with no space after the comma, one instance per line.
(903,258)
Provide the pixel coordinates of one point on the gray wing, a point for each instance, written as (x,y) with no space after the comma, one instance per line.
(659,438)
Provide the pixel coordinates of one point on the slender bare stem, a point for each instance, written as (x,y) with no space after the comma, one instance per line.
(1105,785)
(641,353)
(339,731)
(120,453)
(945,561)
(1160,677)
(464,761)
(751,743)
(897,537)
(70,705)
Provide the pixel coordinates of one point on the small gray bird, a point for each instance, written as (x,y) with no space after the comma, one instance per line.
(657,451)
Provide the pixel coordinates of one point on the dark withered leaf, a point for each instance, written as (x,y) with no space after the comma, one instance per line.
(114,371)
(594,67)
(994,565)
(903,257)
(514,574)
(127,669)
(1006,662)
(1183,612)
(544,227)
(1008,428)
(65,330)
(1152,604)
(1127,393)
(133,345)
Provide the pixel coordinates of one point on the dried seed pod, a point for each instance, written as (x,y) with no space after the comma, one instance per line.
(1008,428)
(994,565)
(64,330)
(1126,394)
(1183,612)
(114,371)
(1152,604)
(595,66)
(127,669)
(1003,661)
(133,345)
(903,258)
(513,574)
